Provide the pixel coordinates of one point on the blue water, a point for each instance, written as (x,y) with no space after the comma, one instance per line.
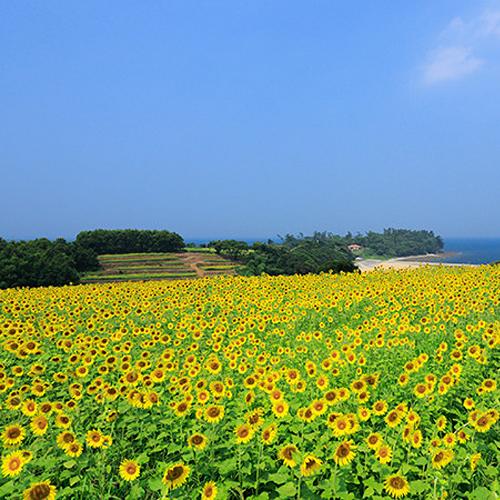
(472,250)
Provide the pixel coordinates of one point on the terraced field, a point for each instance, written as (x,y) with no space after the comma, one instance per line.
(159,266)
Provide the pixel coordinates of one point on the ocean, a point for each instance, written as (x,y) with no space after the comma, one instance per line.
(472,250)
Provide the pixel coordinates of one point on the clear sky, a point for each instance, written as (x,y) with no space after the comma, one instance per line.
(249,118)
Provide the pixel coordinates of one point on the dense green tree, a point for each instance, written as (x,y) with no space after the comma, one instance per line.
(400,242)
(299,255)
(112,241)
(230,248)
(42,262)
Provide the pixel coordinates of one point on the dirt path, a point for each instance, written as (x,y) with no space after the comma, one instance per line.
(192,262)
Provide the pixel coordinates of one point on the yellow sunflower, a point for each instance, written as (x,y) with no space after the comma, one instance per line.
(244,433)
(474,459)
(176,475)
(280,409)
(65,439)
(344,453)
(39,425)
(269,434)
(209,491)
(12,464)
(374,440)
(396,486)
(441,423)
(340,426)
(40,491)
(287,455)
(416,439)
(441,458)
(13,435)
(129,470)
(310,465)
(379,407)
(94,439)
(214,414)
(198,441)
(393,418)
(74,449)
(384,454)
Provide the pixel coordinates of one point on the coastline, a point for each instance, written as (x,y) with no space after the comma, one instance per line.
(409,262)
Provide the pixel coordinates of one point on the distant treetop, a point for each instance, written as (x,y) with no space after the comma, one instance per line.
(112,241)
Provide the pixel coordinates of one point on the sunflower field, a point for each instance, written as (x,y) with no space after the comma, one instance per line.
(346,386)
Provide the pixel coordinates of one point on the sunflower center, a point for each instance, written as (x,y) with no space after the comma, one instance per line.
(174,473)
(397,483)
(310,463)
(343,450)
(13,433)
(14,464)
(213,412)
(39,492)
(131,469)
(482,421)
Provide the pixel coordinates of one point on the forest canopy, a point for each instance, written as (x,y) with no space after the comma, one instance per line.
(42,262)
(113,241)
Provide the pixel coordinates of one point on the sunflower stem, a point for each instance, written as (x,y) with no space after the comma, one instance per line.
(257,479)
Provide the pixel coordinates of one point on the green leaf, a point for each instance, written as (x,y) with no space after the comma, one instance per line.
(287,490)
(69,464)
(368,492)
(136,492)
(278,477)
(74,480)
(155,484)
(373,484)
(227,466)
(490,471)
(6,489)
(346,496)
(418,486)
(482,493)
(262,496)
(142,458)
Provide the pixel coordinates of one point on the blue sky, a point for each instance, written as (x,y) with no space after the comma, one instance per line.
(249,119)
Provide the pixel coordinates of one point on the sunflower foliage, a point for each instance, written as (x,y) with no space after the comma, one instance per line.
(345,386)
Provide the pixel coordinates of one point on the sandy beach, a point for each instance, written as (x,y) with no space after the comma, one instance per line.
(409,262)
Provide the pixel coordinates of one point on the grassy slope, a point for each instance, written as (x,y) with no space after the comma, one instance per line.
(152,266)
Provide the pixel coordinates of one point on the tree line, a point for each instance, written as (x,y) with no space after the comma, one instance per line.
(294,255)
(113,241)
(324,251)
(398,242)
(42,262)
